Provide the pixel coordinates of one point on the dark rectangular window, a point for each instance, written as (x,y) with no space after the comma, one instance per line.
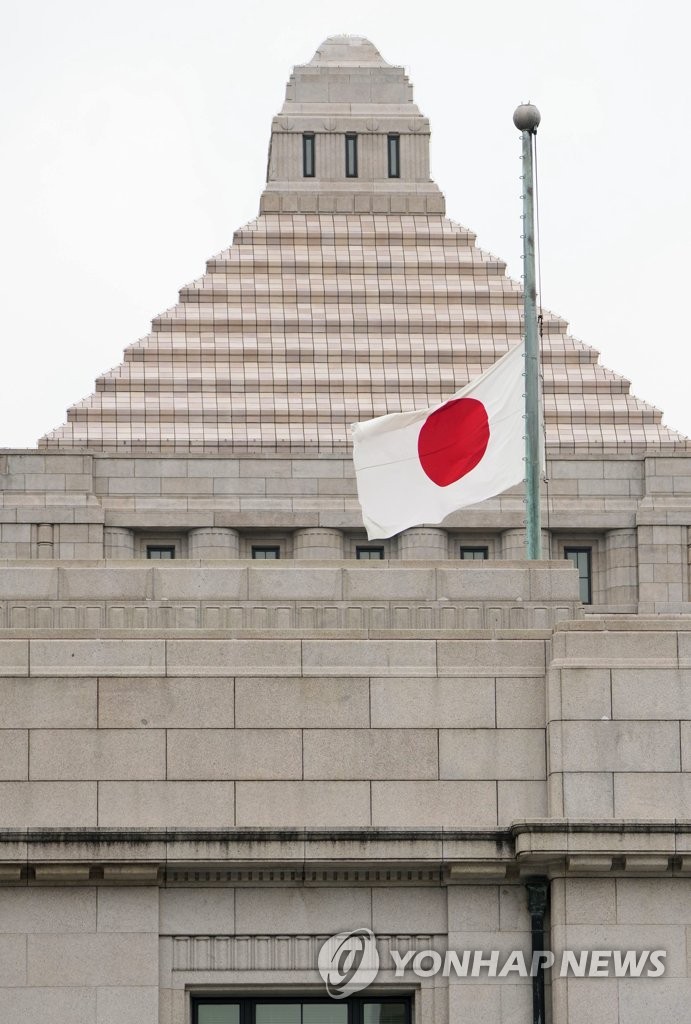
(160,551)
(367,553)
(582,558)
(394,151)
(308,162)
(259,551)
(472,554)
(277,1010)
(351,156)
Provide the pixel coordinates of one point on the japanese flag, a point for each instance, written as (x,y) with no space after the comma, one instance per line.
(417,467)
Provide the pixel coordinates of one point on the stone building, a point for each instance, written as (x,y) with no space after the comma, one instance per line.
(210,766)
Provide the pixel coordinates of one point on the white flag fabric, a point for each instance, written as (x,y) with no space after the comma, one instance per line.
(417,467)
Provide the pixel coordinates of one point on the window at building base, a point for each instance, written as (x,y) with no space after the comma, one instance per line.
(270,1010)
(582,558)
(351,156)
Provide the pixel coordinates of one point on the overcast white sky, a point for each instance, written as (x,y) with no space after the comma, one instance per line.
(135,137)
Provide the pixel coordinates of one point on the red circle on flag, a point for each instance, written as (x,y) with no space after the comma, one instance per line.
(452,440)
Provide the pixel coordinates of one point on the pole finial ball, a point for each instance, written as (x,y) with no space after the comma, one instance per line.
(526,117)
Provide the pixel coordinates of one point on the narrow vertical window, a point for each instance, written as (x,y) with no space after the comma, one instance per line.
(394,148)
(351,156)
(583,560)
(308,155)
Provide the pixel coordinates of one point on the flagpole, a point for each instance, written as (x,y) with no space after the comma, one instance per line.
(526,118)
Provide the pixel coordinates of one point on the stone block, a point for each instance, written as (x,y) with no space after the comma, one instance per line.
(235,754)
(621,746)
(590,901)
(197,911)
(491,657)
(473,908)
(131,1005)
(652,901)
(30,910)
(299,702)
(12,962)
(303,911)
(96,657)
(370,583)
(594,999)
(48,804)
(409,910)
(585,693)
(517,801)
(127,909)
(200,584)
(14,753)
(652,795)
(154,703)
(642,1000)
(588,795)
(303,804)
(409,703)
(166,804)
(14,658)
(370,754)
(59,1005)
(30,583)
(628,647)
(492,754)
(520,703)
(434,804)
(97,754)
(92,960)
(653,693)
(236,657)
(271,584)
(369,657)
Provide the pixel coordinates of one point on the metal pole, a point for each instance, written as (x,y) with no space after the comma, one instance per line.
(527,118)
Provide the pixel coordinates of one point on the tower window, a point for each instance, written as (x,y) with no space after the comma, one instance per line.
(160,551)
(394,151)
(351,156)
(265,552)
(473,554)
(582,558)
(308,162)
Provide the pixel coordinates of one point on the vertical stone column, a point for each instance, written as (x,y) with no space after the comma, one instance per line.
(44,540)
(318,543)
(662,568)
(118,542)
(621,568)
(424,543)
(213,542)
(513,545)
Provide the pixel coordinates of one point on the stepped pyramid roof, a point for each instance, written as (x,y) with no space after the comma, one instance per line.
(347,298)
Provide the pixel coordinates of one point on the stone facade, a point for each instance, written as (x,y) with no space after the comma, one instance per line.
(213,758)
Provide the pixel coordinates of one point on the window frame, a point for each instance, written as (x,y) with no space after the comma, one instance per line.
(247,1004)
(475,548)
(360,548)
(309,155)
(161,547)
(393,142)
(351,166)
(582,549)
(265,547)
